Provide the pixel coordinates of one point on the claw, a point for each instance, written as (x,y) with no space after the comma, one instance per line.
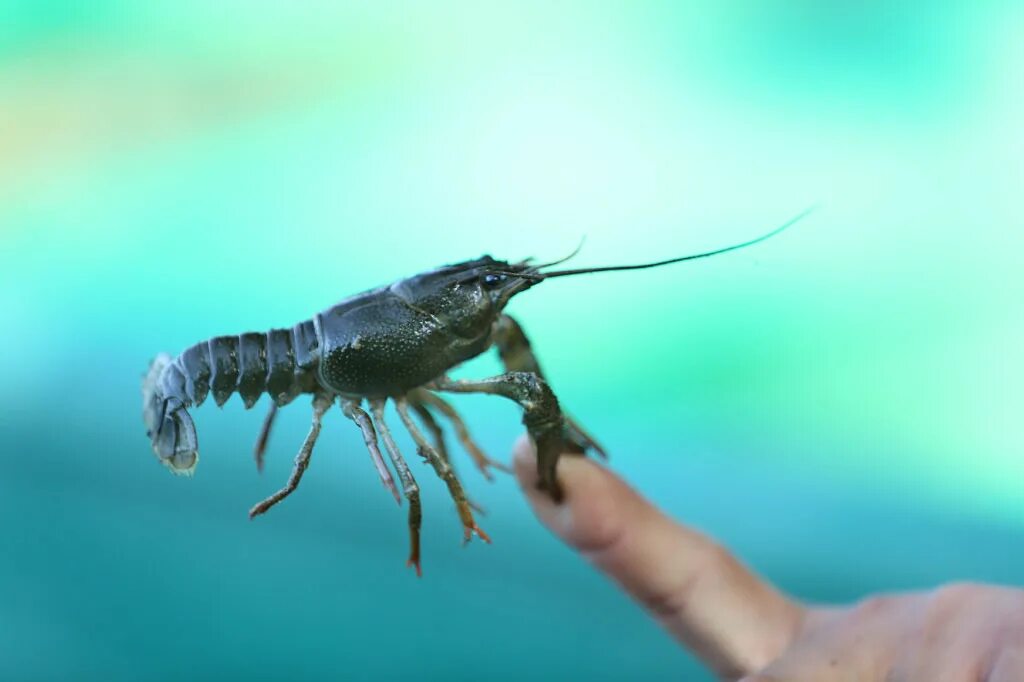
(577,435)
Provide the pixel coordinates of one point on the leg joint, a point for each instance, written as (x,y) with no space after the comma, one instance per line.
(530,387)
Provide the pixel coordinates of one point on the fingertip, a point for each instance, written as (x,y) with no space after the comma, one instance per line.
(590,518)
(697,590)
(524,461)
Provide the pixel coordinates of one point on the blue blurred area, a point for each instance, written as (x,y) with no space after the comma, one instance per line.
(114,570)
(840,406)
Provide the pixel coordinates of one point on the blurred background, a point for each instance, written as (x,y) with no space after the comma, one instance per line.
(841,405)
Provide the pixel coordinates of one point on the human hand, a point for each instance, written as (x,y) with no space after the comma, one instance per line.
(744,628)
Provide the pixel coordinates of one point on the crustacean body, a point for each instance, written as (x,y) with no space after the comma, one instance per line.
(396,343)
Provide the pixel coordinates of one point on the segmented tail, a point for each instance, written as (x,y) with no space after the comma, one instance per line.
(281,362)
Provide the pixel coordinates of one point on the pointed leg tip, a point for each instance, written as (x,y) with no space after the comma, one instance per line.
(504,468)
(415,563)
(485,464)
(389,485)
(478,531)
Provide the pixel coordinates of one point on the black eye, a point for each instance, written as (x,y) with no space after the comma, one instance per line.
(492,280)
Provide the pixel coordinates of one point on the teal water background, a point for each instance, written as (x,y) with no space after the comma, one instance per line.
(841,405)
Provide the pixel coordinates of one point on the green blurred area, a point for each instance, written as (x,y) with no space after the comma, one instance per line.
(174,171)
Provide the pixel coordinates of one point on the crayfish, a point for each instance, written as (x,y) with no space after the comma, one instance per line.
(396,342)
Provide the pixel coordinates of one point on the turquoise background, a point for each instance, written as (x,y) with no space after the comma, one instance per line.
(841,405)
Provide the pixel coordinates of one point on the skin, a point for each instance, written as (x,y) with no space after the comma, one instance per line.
(745,629)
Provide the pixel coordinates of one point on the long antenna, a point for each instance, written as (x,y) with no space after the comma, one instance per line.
(581,271)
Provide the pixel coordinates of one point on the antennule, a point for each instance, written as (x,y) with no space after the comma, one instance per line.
(572,255)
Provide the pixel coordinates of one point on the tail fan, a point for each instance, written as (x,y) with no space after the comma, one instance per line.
(168,423)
